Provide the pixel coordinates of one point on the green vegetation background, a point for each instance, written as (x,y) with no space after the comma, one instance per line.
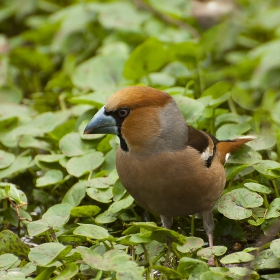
(64,213)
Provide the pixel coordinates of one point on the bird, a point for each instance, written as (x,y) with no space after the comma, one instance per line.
(167,166)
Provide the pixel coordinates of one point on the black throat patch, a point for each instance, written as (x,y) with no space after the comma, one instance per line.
(119,122)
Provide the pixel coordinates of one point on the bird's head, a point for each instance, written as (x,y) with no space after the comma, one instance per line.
(142,117)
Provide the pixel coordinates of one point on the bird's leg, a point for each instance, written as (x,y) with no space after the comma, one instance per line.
(167,223)
(208,225)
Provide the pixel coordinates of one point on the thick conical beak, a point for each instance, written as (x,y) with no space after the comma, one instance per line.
(102,124)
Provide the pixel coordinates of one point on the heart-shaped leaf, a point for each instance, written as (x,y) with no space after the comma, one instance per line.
(234,204)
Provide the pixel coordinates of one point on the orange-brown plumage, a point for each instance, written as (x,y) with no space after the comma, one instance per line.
(137,96)
(168,167)
(229,147)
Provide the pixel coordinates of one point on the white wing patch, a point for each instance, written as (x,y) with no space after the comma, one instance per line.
(207,153)
(227,156)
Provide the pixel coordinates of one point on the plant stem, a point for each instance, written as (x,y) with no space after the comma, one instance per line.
(275,188)
(158,257)
(135,214)
(149,274)
(232,106)
(213,122)
(192,226)
(266,204)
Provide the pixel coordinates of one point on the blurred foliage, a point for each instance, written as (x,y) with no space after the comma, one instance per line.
(64,212)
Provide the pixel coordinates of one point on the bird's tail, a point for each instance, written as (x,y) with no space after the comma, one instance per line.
(227,147)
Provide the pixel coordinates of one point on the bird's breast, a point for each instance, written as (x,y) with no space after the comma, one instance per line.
(171,183)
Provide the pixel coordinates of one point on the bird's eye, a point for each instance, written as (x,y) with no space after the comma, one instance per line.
(123,112)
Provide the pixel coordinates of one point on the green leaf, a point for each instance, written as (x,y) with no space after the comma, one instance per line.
(6,159)
(158,233)
(234,204)
(256,222)
(231,131)
(49,158)
(191,109)
(218,92)
(69,271)
(101,195)
(106,218)
(51,177)
(208,253)
(245,155)
(258,188)
(7,260)
(147,57)
(118,190)
(57,215)
(95,74)
(37,227)
(102,182)
(193,244)
(27,141)
(273,209)
(41,124)
(275,247)
(62,129)
(124,203)
(263,142)
(210,275)
(169,272)
(266,260)
(20,164)
(159,79)
(232,171)
(191,268)
(85,211)
(133,274)
(10,95)
(8,190)
(92,231)
(231,117)
(78,166)
(244,272)
(48,254)
(93,259)
(177,69)
(242,97)
(270,169)
(72,145)
(16,110)
(10,243)
(96,99)
(139,238)
(122,16)
(46,273)
(75,194)
(238,257)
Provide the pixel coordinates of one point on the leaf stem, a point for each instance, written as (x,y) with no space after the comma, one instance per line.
(158,257)
(147,257)
(265,201)
(275,188)
(232,106)
(192,226)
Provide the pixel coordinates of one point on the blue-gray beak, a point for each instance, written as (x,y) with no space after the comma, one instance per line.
(102,124)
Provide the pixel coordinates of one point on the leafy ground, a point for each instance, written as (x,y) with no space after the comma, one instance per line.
(64,213)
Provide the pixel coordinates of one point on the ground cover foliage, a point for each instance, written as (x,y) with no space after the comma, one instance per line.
(64,213)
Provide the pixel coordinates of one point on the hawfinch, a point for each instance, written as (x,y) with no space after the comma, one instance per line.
(170,168)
